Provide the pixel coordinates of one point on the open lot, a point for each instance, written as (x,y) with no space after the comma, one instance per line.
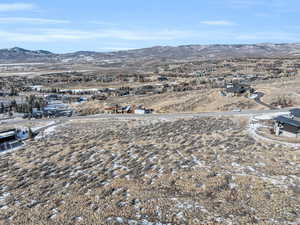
(138,171)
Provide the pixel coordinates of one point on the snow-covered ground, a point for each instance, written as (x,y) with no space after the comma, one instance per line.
(50,129)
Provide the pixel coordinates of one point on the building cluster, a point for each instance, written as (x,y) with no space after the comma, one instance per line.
(76,95)
(37,106)
(129,109)
(50,111)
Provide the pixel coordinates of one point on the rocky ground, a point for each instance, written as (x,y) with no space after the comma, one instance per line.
(129,171)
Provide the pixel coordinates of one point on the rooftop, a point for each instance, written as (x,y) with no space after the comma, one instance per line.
(295,112)
(8,133)
(289,121)
(2,131)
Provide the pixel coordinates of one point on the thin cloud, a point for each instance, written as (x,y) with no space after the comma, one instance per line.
(25,20)
(245,3)
(275,6)
(217,23)
(167,36)
(50,35)
(102,23)
(129,35)
(6,7)
(273,36)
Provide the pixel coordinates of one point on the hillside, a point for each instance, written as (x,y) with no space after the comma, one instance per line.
(216,51)
(185,52)
(20,54)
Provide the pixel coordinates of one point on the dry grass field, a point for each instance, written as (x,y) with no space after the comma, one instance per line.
(138,171)
(176,102)
(206,100)
(287,88)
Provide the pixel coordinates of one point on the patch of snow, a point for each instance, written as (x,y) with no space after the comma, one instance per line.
(122,220)
(41,127)
(4,207)
(189,205)
(53,216)
(269,116)
(78,218)
(46,132)
(249,168)
(232,185)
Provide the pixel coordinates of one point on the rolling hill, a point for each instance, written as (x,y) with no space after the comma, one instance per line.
(185,52)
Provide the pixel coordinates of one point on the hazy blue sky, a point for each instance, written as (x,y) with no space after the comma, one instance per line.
(105,25)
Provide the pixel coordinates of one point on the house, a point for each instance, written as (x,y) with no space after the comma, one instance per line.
(143,111)
(287,126)
(128,109)
(70,99)
(12,138)
(112,109)
(162,78)
(36,87)
(3,94)
(53,97)
(57,110)
(4,107)
(118,109)
(233,89)
(8,139)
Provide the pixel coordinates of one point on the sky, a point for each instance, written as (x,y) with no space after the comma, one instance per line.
(108,25)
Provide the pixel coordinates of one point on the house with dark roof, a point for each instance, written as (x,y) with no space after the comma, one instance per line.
(8,139)
(12,138)
(236,89)
(287,126)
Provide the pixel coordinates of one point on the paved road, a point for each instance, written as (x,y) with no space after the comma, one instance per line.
(258,100)
(61,120)
(185,115)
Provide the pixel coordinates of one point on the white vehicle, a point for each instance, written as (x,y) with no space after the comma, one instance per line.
(236,110)
(254,96)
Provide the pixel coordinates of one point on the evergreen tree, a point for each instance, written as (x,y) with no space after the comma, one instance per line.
(2,108)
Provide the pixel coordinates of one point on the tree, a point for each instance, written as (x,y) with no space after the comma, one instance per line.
(2,108)
(10,113)
(13,104)
(13,91)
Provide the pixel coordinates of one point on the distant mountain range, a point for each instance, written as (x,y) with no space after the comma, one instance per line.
(167,53)
(20,54)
